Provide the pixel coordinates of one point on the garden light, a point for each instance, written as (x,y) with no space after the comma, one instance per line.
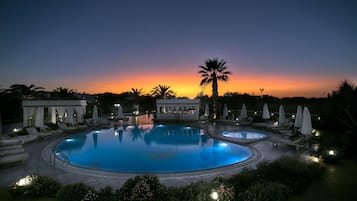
(332,152)
(25,181)
(214,195)
(314,159)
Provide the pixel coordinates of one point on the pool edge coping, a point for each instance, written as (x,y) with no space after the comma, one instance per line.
(199,175)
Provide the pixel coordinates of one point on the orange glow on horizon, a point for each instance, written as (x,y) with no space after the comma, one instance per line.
(188,84)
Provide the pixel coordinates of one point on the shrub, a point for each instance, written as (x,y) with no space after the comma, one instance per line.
(243,180)
(140,188)
(106,194)
(290,172)
(74,192)
(194,191)
(44,186)
(270,191)
(41,186)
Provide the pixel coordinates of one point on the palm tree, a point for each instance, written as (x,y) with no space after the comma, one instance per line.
(23,91)
(214,70)
(162,91)
(63,93)
(136,91)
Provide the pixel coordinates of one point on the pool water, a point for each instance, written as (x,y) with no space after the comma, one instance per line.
(244,134)
(149,149)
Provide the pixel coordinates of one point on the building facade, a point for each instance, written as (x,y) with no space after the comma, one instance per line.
(177,109)
(37,112)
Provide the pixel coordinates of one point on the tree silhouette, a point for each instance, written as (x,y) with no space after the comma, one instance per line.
(63,93)
(136,91)
(23,91)
(162,91)
(213,71)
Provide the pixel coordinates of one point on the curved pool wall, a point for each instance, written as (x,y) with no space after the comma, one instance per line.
(149,149)
(243,134)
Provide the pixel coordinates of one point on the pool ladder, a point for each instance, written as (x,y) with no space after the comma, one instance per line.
(62,155)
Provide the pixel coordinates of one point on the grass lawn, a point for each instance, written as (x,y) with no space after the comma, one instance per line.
(339,184)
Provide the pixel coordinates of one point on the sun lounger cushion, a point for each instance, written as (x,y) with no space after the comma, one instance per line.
(14,158)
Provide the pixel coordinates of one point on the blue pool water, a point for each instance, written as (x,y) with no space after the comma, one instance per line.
(149,149)
(244,134)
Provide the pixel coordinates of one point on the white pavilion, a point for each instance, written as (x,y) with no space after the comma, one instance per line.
(177,109)
(53,111)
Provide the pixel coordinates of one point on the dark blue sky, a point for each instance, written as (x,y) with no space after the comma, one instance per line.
(290,48)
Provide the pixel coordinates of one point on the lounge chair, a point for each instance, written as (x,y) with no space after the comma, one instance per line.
(18,140)
(66,128)
(8,142)
(14,158)
(33,131)
(16,146)
(296,142)
(46,129)
(11,151)
(81,126)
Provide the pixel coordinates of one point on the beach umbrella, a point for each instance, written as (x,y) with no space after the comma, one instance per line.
(225,111)
(266,114)
(206,110)
(298,117)
(281,115)
(120,112)
(243,112)
(306,127)
(95,114)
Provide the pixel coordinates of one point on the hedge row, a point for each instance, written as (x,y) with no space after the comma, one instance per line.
(274,181)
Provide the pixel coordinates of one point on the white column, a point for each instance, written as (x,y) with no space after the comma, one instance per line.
(52,111)
(61,111)
(197,111)
(39,116)
(70,111)
(26,116)
(80,114)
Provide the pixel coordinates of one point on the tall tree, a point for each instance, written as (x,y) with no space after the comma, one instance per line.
(213,71)
(63,93)
(136,91)
(162,91)
(23,91)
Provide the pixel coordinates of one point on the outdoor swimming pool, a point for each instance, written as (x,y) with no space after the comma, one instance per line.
(149,149)
(244,134)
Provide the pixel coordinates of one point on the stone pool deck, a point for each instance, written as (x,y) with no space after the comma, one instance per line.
(41,162)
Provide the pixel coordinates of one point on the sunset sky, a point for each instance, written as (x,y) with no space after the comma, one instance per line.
(289,48)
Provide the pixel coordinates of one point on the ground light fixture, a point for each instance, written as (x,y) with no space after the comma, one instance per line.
(25,181)
(331,152)
(214,195)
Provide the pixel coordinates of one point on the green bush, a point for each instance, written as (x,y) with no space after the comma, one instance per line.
(44,186)
(106,194)
(290,172)
(243,180)
(295,174)
(140,188)
(75,192)
(41,186)
(194,191)
(270,191)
